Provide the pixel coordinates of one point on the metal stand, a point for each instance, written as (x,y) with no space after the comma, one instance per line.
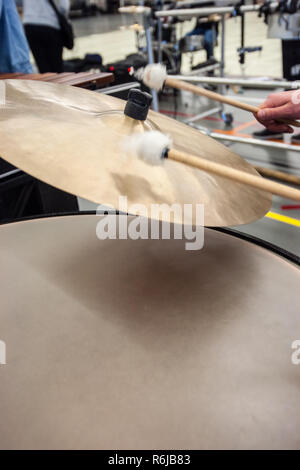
(246,83)
(159,6)
(203,115)
(244,140)
(221,89)
(222,81)
(223,47)
(242,52)
(147,26)
(191,12)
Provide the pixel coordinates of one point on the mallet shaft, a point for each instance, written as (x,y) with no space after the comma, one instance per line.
(181,85)
(279,175)
(235,175)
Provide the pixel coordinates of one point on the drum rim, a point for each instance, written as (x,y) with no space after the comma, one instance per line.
(295,259)
(288,255)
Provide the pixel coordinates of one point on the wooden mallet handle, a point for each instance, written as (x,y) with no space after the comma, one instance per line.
(278,175)
(181,85)
(235,175)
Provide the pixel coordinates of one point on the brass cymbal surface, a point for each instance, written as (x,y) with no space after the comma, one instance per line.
(73,139)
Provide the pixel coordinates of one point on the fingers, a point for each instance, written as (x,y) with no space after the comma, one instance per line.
(276,107)
(280,128)
(280,112)
(275,126)
(277,99)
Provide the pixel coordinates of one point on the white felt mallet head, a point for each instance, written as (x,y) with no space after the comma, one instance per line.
(151,146)
(153,75)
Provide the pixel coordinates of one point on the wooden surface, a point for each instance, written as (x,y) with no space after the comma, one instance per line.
(82,79)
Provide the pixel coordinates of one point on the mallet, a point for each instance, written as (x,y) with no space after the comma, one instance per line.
(154,147)
(278,175)
(155,76)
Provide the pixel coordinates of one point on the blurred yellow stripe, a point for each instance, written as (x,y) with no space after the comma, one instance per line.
(283,218)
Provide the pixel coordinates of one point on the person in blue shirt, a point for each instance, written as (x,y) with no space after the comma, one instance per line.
(208,28)
(14,50)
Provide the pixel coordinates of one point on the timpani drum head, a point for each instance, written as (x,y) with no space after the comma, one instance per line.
(123,344)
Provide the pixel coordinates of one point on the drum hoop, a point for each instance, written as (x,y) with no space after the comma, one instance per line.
(262,243)
(243,236)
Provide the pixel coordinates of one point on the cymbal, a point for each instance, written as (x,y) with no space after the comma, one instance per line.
(73,139)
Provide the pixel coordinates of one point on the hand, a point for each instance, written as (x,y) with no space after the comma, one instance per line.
(285,104)
(214,17)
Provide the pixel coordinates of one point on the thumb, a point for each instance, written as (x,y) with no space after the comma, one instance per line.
(268,114)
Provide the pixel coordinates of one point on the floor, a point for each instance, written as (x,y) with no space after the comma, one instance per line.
(109,35)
